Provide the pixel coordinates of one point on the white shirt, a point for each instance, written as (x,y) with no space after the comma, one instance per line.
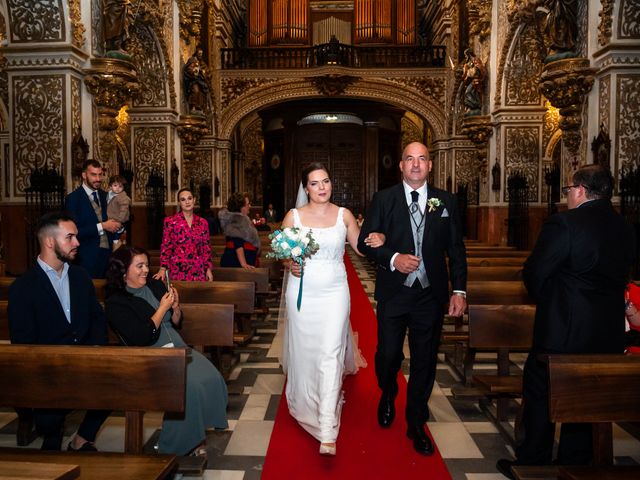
(60,284)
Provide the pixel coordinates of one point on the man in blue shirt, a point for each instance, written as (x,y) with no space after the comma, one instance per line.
(54,303)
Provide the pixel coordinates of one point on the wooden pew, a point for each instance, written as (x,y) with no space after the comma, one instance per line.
(504,329)
(596,389)
(495,261)
(94,466)
(494,253)
(497,293)
(504,273)
(129,379)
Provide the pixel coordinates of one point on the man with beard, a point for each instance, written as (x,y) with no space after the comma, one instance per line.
(88,206)
(54,303)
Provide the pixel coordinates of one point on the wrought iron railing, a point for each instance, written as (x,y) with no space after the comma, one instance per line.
(332,53)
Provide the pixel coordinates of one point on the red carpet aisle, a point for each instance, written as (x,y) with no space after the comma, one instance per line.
(364,449)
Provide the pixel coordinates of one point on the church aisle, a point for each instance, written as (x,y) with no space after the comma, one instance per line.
(467,441)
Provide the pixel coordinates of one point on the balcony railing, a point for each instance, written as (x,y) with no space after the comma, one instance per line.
(333,53)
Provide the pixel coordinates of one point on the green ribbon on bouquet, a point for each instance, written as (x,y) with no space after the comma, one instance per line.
(299,302)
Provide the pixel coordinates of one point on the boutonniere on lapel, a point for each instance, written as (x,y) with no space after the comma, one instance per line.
(434,203)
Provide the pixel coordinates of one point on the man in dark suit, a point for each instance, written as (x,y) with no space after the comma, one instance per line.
(422,226)
(55,303)
(577,273)
(88,206)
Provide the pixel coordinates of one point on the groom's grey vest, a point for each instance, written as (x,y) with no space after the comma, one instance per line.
(417,221)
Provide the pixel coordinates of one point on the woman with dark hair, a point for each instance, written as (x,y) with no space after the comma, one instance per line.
(319,343)
(242,239)
(185,252)
(143,313)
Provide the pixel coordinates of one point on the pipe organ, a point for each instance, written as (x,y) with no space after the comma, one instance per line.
(306,22)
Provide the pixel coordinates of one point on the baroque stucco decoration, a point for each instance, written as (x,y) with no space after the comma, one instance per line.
(32,22)
(606,20)
(190,16)
(77,27)
(432,87)
(298,88)
(332,85)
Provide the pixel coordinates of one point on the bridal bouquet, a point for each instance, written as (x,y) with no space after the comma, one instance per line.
(295,244)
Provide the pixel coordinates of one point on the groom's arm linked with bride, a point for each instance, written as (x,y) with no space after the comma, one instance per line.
(412,284)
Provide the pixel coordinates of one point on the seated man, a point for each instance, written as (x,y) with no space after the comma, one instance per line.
(54,303)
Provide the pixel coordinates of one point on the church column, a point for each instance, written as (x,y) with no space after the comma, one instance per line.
(221,172)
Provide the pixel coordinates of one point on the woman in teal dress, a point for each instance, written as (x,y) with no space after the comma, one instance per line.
(142,312)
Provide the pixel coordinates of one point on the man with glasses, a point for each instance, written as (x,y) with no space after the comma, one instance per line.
(577,273)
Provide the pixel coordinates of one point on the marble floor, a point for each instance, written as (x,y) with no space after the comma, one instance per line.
(468,441)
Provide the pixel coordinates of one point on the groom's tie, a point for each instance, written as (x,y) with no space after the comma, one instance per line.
(417,227)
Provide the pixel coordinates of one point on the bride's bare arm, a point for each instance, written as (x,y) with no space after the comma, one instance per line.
(292,266)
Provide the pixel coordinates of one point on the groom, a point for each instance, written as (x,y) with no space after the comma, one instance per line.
(421,225)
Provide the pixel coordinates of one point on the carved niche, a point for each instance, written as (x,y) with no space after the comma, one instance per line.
(152,75)
(150,154)
(627,131)
(523,71)
(522,156)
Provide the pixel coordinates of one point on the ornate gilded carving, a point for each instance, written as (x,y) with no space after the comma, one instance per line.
(149,67)
(76,105)
(628,120)
(466,167)
(604,102)
(4,78)
(198,170)
(410,132)
(521,154)
(332,85)
(97,29)
(480,19)
(606,20)
(565,83)
(38,125)
(252,147)
(191,128)
(77,27)
(549,124)
(40,21)
(479,129)
(430,86)
(232,88)
(190,15)
(113,83)
(149,154)
(524,69)
(628,19)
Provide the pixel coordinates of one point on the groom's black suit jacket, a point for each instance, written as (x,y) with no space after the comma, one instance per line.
(389,214)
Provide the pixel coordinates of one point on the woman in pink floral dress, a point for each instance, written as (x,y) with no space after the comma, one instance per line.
(185,250)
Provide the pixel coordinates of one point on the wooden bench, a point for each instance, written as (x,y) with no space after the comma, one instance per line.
(90,465)
(596,389)
(495,292)
(504,329)
(503,273)
(484,261)
(130,379)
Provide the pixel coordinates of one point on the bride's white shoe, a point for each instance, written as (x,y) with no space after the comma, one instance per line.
(327,449)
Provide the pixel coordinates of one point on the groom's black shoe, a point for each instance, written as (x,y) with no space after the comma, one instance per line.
(386,411)
(421,441)
(504,467)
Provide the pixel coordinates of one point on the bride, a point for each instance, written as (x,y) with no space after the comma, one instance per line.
(319,342)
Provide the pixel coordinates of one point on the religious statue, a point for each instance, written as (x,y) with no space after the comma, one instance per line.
(561,28)
(473,76)
(114,13)
(195,82)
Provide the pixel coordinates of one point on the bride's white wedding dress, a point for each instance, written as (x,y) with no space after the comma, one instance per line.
(319,343)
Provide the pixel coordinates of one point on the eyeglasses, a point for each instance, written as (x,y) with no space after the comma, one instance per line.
(565,190)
